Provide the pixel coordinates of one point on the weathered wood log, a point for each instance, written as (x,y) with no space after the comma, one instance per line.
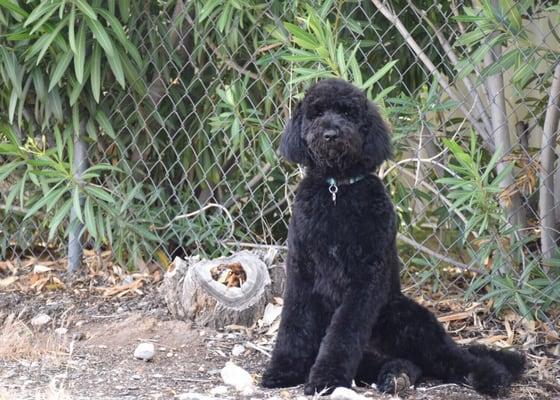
(226,291)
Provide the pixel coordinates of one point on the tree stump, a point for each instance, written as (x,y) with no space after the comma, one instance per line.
(226,291)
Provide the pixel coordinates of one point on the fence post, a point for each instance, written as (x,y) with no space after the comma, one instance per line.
(75,248)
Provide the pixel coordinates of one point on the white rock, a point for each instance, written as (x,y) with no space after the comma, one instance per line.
(342,393)
(271,312)
(237,377)
(61,331)
(40,320)
(219,390)
(237,350)
(39,269)
(145,351)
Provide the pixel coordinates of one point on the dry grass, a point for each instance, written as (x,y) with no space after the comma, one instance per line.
(19,342)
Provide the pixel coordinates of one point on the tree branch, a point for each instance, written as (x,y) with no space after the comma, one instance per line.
(441,79)
(548,158)
(498,113)
(455,61)
(434,254)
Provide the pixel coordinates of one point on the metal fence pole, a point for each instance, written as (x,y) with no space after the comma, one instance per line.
(75,248)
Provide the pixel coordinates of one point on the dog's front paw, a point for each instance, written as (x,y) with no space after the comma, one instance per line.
(323,385)
(276,378)
(393,384)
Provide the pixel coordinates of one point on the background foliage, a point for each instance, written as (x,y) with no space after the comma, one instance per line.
(181,105)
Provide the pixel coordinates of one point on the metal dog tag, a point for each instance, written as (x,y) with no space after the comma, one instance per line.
(333,189)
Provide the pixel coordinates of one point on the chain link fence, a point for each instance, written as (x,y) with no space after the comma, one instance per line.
(181,151)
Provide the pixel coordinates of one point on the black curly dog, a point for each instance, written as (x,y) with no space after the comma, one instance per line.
(344,315)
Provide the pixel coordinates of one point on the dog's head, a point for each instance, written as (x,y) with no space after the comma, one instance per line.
(336,130)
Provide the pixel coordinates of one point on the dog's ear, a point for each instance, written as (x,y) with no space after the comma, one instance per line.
(377,141)
(292,145)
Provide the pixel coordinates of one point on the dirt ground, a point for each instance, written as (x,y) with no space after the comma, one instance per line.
(86,351)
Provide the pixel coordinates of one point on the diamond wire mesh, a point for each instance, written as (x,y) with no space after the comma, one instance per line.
(220,87)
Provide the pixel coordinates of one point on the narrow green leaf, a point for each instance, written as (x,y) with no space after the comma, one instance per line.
(58,218)
(89,218)
(59,142)
(124,9)
(129,197)
(207,9)
(46,43)
(76,91)
(9,5)
(19,186)
(86,9)
(99,193)
(44,19)
(13,69)
(39,84)
(379,97)
(101,36)
(120,34)
(145,233)
(102,167)
(49,199)
(79,60)
(96,72)
(76,204)
(7,169)
(39,11)
(101,228)
(104,123)
(302,38)
(61,66)
(8,131)
(379,74)
(12,106)
(116,67)
(505,62)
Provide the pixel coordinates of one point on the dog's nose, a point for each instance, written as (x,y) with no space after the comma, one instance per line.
(330,135)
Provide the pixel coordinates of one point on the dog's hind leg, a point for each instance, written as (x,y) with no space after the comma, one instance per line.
(405,329)
(392,376)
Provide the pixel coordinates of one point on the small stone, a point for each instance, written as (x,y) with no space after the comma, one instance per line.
(136,377)
(342,393)
(237,377)
(78,336)
(170,354)
(201,369)
(237,350)
(61,331)
(40,320)
(145,351)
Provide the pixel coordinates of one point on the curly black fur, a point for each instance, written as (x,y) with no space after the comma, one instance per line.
(344,315)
